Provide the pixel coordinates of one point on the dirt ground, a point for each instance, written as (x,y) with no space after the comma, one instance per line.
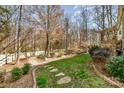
(100,65)
(8,67)
(25,81)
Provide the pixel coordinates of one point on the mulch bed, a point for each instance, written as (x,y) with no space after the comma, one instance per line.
(100,66)
(26,81)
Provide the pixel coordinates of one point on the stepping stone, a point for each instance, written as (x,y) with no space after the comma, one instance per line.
(59,74)
(64,80)
(50,67)
(54,70)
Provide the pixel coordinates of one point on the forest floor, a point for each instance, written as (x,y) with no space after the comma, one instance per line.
(73,72)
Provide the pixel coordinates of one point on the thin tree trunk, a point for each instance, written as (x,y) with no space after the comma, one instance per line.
(34,45)
(47,32)
(18,33)
(103,23)
(123,28)
(66,34)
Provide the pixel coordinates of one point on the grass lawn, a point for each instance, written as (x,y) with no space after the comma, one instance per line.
(75,67)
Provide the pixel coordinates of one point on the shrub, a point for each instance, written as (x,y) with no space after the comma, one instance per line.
(26,68)
(115,67)
(16,73)
(93,48)
(41,82)
(41,56)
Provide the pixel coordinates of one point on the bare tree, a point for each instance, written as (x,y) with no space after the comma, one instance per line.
(66,33)
(18,33)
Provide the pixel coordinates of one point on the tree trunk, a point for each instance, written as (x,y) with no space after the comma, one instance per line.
(47,32)
(103,23)
(18,34)
(66,34)
(123,28)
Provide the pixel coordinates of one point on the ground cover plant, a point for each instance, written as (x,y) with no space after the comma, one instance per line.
(115,67)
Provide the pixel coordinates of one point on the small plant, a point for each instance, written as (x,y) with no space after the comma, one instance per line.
(93,48)
(41,56)
(41,82)
(79,74)
(26,68)
(115,67)
(16,73)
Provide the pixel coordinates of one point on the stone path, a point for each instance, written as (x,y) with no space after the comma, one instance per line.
(59,74)
(54,70)
(63,79)
(51,67)
(45,63)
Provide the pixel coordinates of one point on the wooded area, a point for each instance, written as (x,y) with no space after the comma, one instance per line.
(46,28)
(31,36)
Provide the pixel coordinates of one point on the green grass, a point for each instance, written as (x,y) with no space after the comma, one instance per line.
(75,67)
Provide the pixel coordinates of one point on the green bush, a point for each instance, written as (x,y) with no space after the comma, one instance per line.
(26,68)
(115,67)
(93,48)
(41,81)
(16,73)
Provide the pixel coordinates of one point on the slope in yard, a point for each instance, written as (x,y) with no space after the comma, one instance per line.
(76,68)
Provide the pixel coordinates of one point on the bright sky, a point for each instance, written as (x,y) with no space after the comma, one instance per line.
(68,9)
(73,11)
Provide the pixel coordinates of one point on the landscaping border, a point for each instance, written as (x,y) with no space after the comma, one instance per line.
(113,83)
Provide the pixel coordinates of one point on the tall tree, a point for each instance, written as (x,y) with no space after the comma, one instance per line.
(66,33)
(18,33)
(47,19)
(47,32)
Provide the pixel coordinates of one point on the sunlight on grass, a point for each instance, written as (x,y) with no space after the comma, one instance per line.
(76,68)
